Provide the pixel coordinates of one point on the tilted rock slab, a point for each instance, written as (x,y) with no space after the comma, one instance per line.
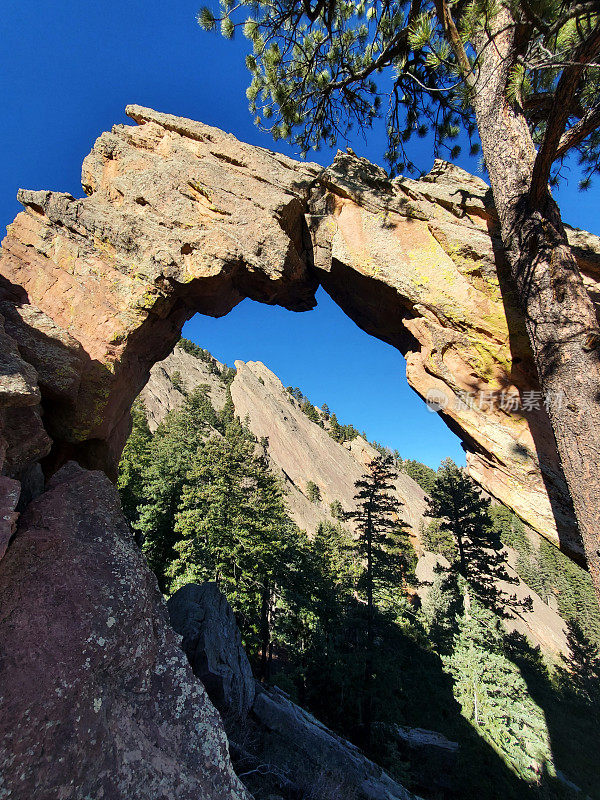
(183,218)
(212,643)
(97,699)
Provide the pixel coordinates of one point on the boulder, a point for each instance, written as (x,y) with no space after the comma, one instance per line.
(97,699)
(213,646)
(296,744)
(432,757)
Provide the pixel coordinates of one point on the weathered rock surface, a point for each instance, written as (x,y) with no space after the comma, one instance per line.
(163,393)
(299,450)
(213,646)
(295,742)
(433,758)
(96,697)
(10,491)
(183,218)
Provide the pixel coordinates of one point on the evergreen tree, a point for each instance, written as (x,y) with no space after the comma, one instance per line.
(580,675)
(233,528)
(336,510)
(421,473)
(313,493)
(435,539)
(376,522)
(134,463)
(494,696)
(461,511)
(173,449)
(442,606)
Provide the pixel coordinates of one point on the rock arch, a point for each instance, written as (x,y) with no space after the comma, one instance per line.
(182,218)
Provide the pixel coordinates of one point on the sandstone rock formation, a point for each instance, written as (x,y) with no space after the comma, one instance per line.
(213,646)
(96,697)
(299,451)
(183,218)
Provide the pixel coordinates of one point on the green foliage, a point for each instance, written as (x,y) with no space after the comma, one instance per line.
(494,696)
(313,492)
(457,504)
(421,473)
(152,472)
(318,70)
(341,433)
(580,673)
(437,540)
(311,412)
(441,609)
(177,381)
(135,460)
(337,511)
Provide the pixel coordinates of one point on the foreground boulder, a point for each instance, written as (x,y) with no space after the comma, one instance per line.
(213,645)
(433,758)
(96,698)
(300,747)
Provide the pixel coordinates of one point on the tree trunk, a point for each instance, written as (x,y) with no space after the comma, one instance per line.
(367,715)
(265,631)
(559,313)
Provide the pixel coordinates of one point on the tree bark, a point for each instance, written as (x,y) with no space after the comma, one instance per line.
(559,314)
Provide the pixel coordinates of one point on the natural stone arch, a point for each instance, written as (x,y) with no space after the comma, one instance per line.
(181,218)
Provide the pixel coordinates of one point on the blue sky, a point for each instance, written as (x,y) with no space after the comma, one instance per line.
(67,71)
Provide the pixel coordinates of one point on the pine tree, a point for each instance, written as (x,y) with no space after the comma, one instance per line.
(313,493)
(580,673)
(457,504)
(494,696)
(134,463)
(376,522)
(233,528)
(173,449)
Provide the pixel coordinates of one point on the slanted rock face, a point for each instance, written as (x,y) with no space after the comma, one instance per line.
(213,645)
(97,699)
(299,745)
(183,218)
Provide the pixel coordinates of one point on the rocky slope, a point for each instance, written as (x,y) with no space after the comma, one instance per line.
(301,451)
(182,218)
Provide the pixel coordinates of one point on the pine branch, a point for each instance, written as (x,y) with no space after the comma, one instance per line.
(559,115)
(575,135)
(452,35)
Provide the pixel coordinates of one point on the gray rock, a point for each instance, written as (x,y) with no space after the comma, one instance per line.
(96,698)
(433,758)
(213,645)
(311,755)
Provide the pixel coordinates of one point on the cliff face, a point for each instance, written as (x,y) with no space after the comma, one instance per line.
(181,218)
(300,451)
